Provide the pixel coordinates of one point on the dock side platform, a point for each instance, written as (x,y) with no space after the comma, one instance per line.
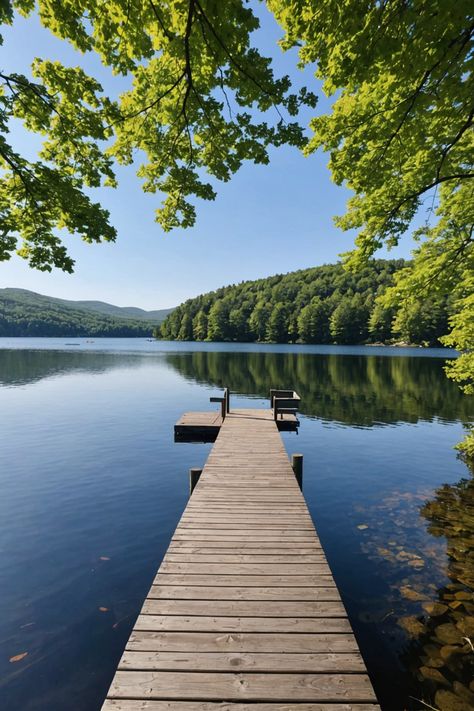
(244,612)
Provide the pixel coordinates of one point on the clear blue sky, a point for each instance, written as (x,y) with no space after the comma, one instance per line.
(267,220)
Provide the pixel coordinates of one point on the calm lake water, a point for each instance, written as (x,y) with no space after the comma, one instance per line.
(92,486)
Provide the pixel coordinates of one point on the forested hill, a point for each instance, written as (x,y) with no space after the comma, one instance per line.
(26,313)
(320,305)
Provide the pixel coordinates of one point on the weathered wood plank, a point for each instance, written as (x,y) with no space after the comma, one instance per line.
(302,559)
(242,661)
(258,581)
(196,592)
(182,623)
(281,547)
(247,516)
(223,686)
(244,568)
(243,608)
(153,705)
(250,507)
(195,642)
(250,524)
(245,534)
(256,567)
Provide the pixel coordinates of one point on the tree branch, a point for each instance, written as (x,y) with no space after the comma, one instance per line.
(233,60)
(467,124)
(424,189)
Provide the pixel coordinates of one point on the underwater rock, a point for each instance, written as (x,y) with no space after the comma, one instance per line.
(434,675)
(412,625)
(434,609)
(447,701)
(410,594)
(448,634)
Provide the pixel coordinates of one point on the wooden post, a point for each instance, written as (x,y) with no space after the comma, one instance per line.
(297,464)
(222,401)
(227,399)
(194,475)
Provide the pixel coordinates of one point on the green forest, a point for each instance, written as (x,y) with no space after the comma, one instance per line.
(324,304)
(25,313)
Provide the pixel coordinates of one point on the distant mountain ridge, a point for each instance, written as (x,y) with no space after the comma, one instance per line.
(102,307)
(27,313)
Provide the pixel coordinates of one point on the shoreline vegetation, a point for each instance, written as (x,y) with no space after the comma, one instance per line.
(320,305)
(323,305)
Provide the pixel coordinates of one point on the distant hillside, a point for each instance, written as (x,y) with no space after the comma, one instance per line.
(26,313)
(101,307)
(320,305)
(130,312)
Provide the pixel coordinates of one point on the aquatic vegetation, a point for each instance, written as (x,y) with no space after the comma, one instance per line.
(432,582)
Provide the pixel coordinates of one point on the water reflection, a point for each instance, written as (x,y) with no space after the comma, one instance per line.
(25,367)
(99,476)
(354,390)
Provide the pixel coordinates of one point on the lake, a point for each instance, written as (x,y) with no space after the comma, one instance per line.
(93,486)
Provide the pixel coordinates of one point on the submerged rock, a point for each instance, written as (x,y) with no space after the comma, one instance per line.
(434,609)
(447,701)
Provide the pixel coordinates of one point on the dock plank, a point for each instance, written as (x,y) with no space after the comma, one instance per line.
(241,685)
(214,592)
(311,581)
(244,612)
(181,623)
(204,642)
(147,705)
(244,661)
(243,608)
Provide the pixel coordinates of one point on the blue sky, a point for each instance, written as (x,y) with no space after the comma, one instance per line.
(267,220)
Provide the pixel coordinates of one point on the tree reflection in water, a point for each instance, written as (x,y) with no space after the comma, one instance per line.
(354,390)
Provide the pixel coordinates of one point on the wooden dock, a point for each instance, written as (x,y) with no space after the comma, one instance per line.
(205,426)
(244,612)
(198,426)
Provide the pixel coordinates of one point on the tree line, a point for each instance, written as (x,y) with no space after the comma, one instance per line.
(323,304)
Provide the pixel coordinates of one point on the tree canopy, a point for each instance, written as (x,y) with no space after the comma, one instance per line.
(399,127)
(195,111)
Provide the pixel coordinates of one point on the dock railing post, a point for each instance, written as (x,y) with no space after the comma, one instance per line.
(227,400)
(194,475)
(222,401)
(297,465)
